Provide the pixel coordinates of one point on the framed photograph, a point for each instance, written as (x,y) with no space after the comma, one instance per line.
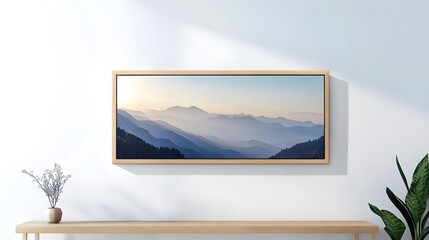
(220,117)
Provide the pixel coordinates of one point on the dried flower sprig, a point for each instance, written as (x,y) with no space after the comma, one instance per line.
(51,182)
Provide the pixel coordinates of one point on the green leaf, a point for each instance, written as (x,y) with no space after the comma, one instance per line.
(404,179)
(418,193)
(425,219)
(421,166)
(422,172)
(415,203)
(424,233)
(400,205)
(394,226)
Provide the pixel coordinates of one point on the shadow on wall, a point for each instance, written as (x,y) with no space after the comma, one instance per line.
(289,29)
(338,150)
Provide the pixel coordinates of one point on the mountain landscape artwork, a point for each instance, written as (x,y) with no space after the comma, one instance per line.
(220,118)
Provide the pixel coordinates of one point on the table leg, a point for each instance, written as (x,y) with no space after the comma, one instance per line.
(25,236)
(36,236)
(356,236)
(372,236)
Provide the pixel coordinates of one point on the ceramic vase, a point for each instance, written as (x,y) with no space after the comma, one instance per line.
(53,215)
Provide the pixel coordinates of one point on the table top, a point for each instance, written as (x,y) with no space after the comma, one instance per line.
(226,227)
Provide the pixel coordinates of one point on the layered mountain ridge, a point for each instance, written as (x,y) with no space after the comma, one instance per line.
(199,134)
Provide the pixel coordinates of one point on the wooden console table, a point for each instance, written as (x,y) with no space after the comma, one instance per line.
(201,227)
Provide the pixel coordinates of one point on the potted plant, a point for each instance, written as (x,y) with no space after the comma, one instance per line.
(413,208)
(52,183)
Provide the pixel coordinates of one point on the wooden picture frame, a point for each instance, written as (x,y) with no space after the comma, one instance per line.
(220,117)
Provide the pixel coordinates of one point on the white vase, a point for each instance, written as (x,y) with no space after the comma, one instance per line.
(53,215)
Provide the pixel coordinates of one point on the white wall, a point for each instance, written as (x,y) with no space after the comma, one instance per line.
(56,59)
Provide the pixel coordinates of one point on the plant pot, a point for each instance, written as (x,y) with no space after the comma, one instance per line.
(53,215)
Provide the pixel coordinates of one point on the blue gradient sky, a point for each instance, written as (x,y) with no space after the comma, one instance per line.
(295,97)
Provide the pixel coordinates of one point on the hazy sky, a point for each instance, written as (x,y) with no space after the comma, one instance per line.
(295,97)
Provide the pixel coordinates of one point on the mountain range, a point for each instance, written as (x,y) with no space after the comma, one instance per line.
(314,149)
(128,146)
(199,134)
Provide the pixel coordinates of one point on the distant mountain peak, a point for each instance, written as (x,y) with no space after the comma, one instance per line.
(244,115)
(220,117)
(177,107)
